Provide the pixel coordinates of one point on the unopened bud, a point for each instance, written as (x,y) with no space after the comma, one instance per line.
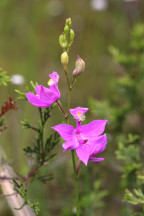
(79,67)
(72,34)
(69,22)
(66,29)
(63,41)
(64,58)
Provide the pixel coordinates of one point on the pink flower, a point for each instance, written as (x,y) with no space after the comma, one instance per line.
(45,97)
(86,139)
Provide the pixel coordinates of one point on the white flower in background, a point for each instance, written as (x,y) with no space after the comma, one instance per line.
(99,5)
(17,79)
(74,210)
(55,7)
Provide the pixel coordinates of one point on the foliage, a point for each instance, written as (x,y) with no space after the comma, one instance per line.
(23,193)
(135,198)
(124,109)
(4,79)
(94,199)
(22,94)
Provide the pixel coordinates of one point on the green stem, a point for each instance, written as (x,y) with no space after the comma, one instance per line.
(76,183)
(69,100)
(41,132)
(72,152)
(66,74)
(73,82)
(69,88)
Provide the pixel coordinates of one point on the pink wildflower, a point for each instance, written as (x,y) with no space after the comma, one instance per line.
(45,97)
(86,139)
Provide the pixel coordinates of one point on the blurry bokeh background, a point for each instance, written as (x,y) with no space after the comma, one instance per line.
(29,47)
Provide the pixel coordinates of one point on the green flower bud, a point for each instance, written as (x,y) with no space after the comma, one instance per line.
(66,29)
(64,58)
(69,22)
(72,35)
(63,41)
(79,67)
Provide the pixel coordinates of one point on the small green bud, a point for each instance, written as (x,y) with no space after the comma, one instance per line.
(66,29)
(79,67)
(69,22)
(72,35)
(63,41)
(64,58)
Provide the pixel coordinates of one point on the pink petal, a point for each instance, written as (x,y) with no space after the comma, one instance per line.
(67,132)
(93,129)
(54,87)
(34,100)
(97,145)
(55,77)
(77,110)
(47,95)
(94,159)
(83,153)
(70,145)
(38,89)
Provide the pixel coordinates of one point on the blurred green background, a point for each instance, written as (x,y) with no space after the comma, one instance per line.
(29,46)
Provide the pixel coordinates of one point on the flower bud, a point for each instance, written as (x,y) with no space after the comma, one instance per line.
(69,22)
(64,58)
(79,67)
(66,29)
(72,34)
(63,41)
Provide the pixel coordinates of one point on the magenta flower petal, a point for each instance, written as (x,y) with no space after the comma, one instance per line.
(45,96)
(70,145)
(97,145)
(93,129)
(94,159)
(55,77)
(83,153)
(38,89)
(34,100)
(67,132)
(78,113)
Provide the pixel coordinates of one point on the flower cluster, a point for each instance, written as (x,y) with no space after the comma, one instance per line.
(86,139)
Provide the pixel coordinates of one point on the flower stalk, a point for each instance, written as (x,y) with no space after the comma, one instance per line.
(76,183)
(72,152)
(78,167)
(62,109)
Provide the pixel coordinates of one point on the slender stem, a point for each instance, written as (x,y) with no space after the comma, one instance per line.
(73,82)
(78,166)
(66,74)
(69,88)
(76,183)
(41,132)
(69,95)
(62,109)
(72,152)
(69,100)
(3,178)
